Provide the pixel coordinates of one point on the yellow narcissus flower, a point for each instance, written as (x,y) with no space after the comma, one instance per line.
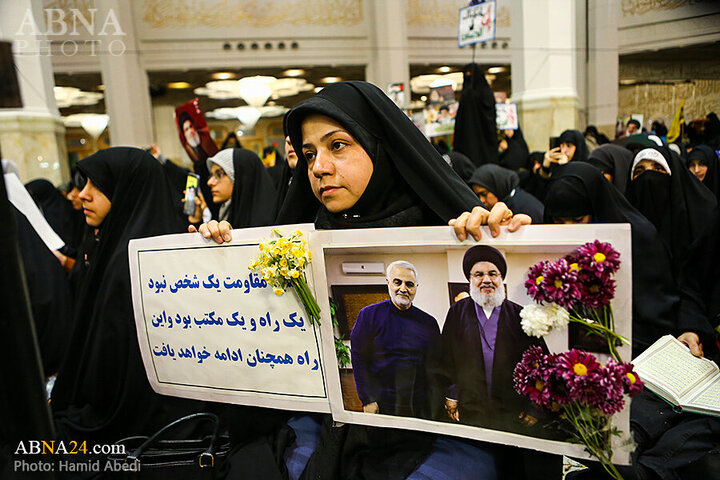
(294,274)
(283,262)
(297,233)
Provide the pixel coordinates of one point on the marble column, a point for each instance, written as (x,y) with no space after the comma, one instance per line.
(602,66)
(32,136)
(388,45)
(544,68)
(127,94)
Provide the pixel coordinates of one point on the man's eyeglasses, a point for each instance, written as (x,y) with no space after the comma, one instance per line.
(493,274)
(218,175)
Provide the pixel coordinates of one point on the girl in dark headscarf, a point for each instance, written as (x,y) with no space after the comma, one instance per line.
(703,162)
(578,193)
(408,184)
(475,127)
(673,199)
(102,392)
(516,151)
(492,184)
(240,184)
(573,146)
(58,211)
(614,162)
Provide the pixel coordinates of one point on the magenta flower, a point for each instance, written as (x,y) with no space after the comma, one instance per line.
(596,291)
(530,375)
(611,400)
(560,284)
(632,385)
(598,257)
(534,283)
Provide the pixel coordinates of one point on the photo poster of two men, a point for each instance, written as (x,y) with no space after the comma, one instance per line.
(436,335)
(194,132)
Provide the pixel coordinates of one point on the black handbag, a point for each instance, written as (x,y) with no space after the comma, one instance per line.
(153,457)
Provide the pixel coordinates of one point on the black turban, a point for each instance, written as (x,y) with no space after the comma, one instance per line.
(484,253)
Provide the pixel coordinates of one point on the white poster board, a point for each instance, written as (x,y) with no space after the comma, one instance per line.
(476,23)
(210,329)
(506,116)
(437,255)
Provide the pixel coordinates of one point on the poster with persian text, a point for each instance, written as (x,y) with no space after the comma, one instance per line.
(211,329)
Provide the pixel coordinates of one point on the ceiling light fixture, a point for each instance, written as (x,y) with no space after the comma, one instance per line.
(223,75)
(178,85)
(331,79)
(496,69)
(294,72)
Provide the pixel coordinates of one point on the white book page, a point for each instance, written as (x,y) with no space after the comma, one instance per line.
(708,398)
(672,367)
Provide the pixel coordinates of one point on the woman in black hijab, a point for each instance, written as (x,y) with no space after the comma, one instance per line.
(703,162)
(475,127)
(614,162)
(369,166)
(514,156)
(570,139)
(57,210)
(578,193)
(410,184)
(240,184)
(492,184)
(673,199)
(102,392)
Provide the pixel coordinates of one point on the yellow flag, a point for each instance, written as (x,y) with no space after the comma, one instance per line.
(676,128)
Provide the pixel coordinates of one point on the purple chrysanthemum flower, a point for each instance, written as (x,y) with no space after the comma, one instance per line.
(632,385)
(533,284)
(530,376)
(611,399)
(596,290)
(598,257)
(560,284)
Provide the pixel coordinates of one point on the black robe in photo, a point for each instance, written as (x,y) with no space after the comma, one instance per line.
(463,367)
(102,393)
(475,124)
(578,188)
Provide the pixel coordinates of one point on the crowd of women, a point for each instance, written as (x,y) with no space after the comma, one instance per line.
(354,160)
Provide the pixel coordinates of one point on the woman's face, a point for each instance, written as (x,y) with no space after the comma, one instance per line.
(567,149)
(220,184)
(647,164)
(572,220)
(95,204)
(339,169)
(485,195)
(698,169)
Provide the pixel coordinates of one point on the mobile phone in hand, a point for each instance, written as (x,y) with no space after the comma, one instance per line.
(191,187)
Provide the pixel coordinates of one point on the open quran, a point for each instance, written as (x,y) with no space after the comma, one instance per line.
(688,382)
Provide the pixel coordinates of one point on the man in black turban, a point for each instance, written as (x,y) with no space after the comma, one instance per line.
(482,341)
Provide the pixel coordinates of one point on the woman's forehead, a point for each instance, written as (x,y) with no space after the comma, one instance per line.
(318,122)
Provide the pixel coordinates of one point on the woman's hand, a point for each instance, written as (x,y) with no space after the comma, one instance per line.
(554,156)
(220,232)
(500,215)
(200,206)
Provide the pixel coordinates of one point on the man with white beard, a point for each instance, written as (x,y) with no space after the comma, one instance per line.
(391,342)
(482,341)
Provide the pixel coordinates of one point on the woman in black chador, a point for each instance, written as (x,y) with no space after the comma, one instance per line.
(578,193)
(102,392)
(363,164)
